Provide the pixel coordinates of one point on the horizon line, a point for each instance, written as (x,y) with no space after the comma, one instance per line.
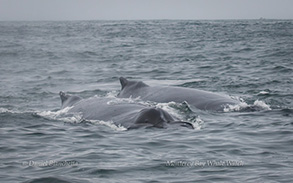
(163,19)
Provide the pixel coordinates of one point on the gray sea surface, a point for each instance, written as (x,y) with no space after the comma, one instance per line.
(249,60)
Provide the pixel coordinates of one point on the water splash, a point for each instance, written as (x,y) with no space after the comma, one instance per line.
(61,115)
(262,105)
(14,111)
(108,124)
(4,110)
(197,123)
(258,105)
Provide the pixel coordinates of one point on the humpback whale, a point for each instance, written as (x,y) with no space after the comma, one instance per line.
(200,99)
(129,115)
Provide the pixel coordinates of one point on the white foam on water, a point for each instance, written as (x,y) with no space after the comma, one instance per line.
(4,110)
(61,115)
(108,124)
(237,107)
(198,123)
(258,105)
(168,107)
(262,105)
(263,93)
(111,94)
(14,111)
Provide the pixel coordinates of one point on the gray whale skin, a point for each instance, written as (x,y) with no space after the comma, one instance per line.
(129,115)
(203,100)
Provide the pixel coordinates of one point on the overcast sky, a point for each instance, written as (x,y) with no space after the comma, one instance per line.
(144,9)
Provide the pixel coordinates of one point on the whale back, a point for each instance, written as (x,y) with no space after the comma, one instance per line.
(159,118)
(153,116)
(129,115)
(200,99)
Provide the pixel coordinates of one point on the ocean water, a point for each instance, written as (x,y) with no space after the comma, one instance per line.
(250,60)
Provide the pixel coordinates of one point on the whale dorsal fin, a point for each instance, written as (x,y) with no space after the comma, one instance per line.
(63,96)
(68,100)
(123,82)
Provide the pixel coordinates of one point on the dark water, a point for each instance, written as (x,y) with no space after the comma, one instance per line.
(248,60)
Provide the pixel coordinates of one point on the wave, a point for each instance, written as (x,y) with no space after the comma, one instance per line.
(258,105)
(64,116)
(108,124)
(14,111)
(4,110)
(61,115)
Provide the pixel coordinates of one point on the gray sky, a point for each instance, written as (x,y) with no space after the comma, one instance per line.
(144,9)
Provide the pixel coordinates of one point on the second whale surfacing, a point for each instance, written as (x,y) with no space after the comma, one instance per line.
(128,115)
(198,98)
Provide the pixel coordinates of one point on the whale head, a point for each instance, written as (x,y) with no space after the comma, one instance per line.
(156,117)
(128,87)
(68,100)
